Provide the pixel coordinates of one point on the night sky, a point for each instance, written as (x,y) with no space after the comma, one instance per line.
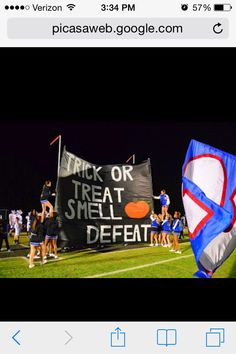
(27,159)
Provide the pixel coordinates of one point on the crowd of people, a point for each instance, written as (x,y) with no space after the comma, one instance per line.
(41,228)
(163,225)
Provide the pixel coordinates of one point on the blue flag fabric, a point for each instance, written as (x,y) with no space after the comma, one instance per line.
(209,197)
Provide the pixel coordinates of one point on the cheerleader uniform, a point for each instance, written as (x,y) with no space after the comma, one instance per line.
(177,227)
(44,197)
(166,227)
(154,226)
(52,229)
(37,235)
(164,199)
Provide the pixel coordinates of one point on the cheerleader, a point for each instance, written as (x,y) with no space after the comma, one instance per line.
(52,230)
(165,202)
(36,241)
(177,227)
(154,229)
(46,193)
(166,230)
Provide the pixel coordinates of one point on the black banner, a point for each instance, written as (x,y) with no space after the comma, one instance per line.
(103,204)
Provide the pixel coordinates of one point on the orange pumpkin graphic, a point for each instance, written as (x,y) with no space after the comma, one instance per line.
(137,210)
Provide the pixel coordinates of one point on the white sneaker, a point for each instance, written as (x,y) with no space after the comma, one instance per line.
(44,262)
(156,245)
(178,252)
(55,257)
(165,246)
(28,255)
(51,255)
(36,257)
(31,266)
(171,250)
(151,245)
(45,257)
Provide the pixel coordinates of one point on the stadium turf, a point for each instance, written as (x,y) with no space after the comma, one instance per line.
(114,262)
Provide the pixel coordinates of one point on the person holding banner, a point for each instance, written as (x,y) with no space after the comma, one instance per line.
(45,194)
(165,202)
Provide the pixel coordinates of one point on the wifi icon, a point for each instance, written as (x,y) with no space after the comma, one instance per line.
(71,6)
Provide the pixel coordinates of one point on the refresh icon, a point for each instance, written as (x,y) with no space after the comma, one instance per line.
(217,28)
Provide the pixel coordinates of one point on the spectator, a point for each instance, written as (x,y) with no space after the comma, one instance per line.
(4,234)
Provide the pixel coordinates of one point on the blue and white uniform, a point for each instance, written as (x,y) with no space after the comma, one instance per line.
(154,226)
(164,199)
(177,226)
(166,226)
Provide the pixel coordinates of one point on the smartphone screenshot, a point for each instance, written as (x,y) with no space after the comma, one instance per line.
(117,205)
(135,23)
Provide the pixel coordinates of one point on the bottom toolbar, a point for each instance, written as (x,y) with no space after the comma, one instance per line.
(117,337)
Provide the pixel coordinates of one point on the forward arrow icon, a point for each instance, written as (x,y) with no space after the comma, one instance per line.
(70,337)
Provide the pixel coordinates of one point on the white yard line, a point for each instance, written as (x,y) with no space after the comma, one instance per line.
(138,267)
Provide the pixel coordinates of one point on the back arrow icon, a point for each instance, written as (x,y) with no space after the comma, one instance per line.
(14,337)
(69,338)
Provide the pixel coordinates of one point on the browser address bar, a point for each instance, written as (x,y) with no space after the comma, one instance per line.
(118,28)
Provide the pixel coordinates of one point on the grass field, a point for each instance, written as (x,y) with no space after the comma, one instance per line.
(140,261)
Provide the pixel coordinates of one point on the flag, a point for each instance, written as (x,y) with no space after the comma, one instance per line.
(209,198)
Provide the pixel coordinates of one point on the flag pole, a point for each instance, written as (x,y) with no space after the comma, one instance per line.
(59,156)
(131,157)
(59,152)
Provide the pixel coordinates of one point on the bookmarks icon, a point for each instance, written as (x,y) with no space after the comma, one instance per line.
(166,337)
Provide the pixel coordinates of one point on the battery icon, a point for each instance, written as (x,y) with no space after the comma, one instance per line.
(222,7)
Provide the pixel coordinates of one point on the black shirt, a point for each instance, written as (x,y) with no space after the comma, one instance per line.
(37,235)
(45,193)
(3,229)
(51,227)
